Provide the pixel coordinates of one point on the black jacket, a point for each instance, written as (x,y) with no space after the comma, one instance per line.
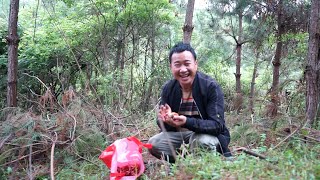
(210,101)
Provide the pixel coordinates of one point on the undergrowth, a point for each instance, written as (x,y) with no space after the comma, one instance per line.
(64,138)
(300,161)
(73,137)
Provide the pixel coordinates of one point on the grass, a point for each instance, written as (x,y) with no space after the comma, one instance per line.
(295,158)
(299,162)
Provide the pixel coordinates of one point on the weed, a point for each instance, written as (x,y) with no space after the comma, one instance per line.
(80,136)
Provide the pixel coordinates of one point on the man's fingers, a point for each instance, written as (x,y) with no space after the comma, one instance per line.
(167,107)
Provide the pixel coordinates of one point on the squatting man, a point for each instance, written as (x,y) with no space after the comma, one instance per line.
(191,109)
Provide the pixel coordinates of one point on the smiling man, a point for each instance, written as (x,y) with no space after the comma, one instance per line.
(191,109)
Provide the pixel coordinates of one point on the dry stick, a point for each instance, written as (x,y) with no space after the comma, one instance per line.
(37,79)
(18,147)
(87,159)
(135,134)
(30,162)
(22,157)
(250,152)
(74,127)
(52,157)
(165,131)
(169,142)
(286,138)
(117,118)
(301,139)
(4,140)
(311,138)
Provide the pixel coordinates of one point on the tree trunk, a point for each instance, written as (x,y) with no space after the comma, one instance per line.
(134,47)
(313,64)
(120,35)
(188,26)
(118,51)
(145,75)
(275,100)
(253,82)
(120,54)
(105,51)
(238,59)
(238,97)
(13,42)
(151,82)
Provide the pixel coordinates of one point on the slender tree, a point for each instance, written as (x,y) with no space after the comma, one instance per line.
(153,51)
(241,14)
(239,43)
(273,108)
(13,41)
(290,19)
(188,26)
(313,64)
(253,82)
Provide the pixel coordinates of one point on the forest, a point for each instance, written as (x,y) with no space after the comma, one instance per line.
(75,76)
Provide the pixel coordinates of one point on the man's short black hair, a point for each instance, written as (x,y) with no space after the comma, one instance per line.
(180,47)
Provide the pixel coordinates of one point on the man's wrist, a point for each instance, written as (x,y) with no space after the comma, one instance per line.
(186,123)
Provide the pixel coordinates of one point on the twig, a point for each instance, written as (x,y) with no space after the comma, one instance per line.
(169,142)
(74,127)
(146,128)
(301,139)
(4,140)
(37,79)
(252,118)
(30,163)
(286,138)
(17,146)
(250,152)
(22,157)
(87,159)
(52,157)
(309,137)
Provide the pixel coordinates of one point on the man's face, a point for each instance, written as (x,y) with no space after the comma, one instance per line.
(184,67)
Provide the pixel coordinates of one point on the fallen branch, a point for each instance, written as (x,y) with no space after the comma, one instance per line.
(296,130)
(301,139)
(30,163)
(86,159)
(37,79)
(74,127)
(52,156)
(250,152)
(309,137)
(22,157)
(4,140)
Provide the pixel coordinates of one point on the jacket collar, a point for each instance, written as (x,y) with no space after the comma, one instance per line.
(177,95)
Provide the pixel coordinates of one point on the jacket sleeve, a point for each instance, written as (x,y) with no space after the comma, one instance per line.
(164,100)
(214,123)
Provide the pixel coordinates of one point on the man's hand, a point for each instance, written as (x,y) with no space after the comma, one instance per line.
(173,119)
(177,120)
(164,112)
